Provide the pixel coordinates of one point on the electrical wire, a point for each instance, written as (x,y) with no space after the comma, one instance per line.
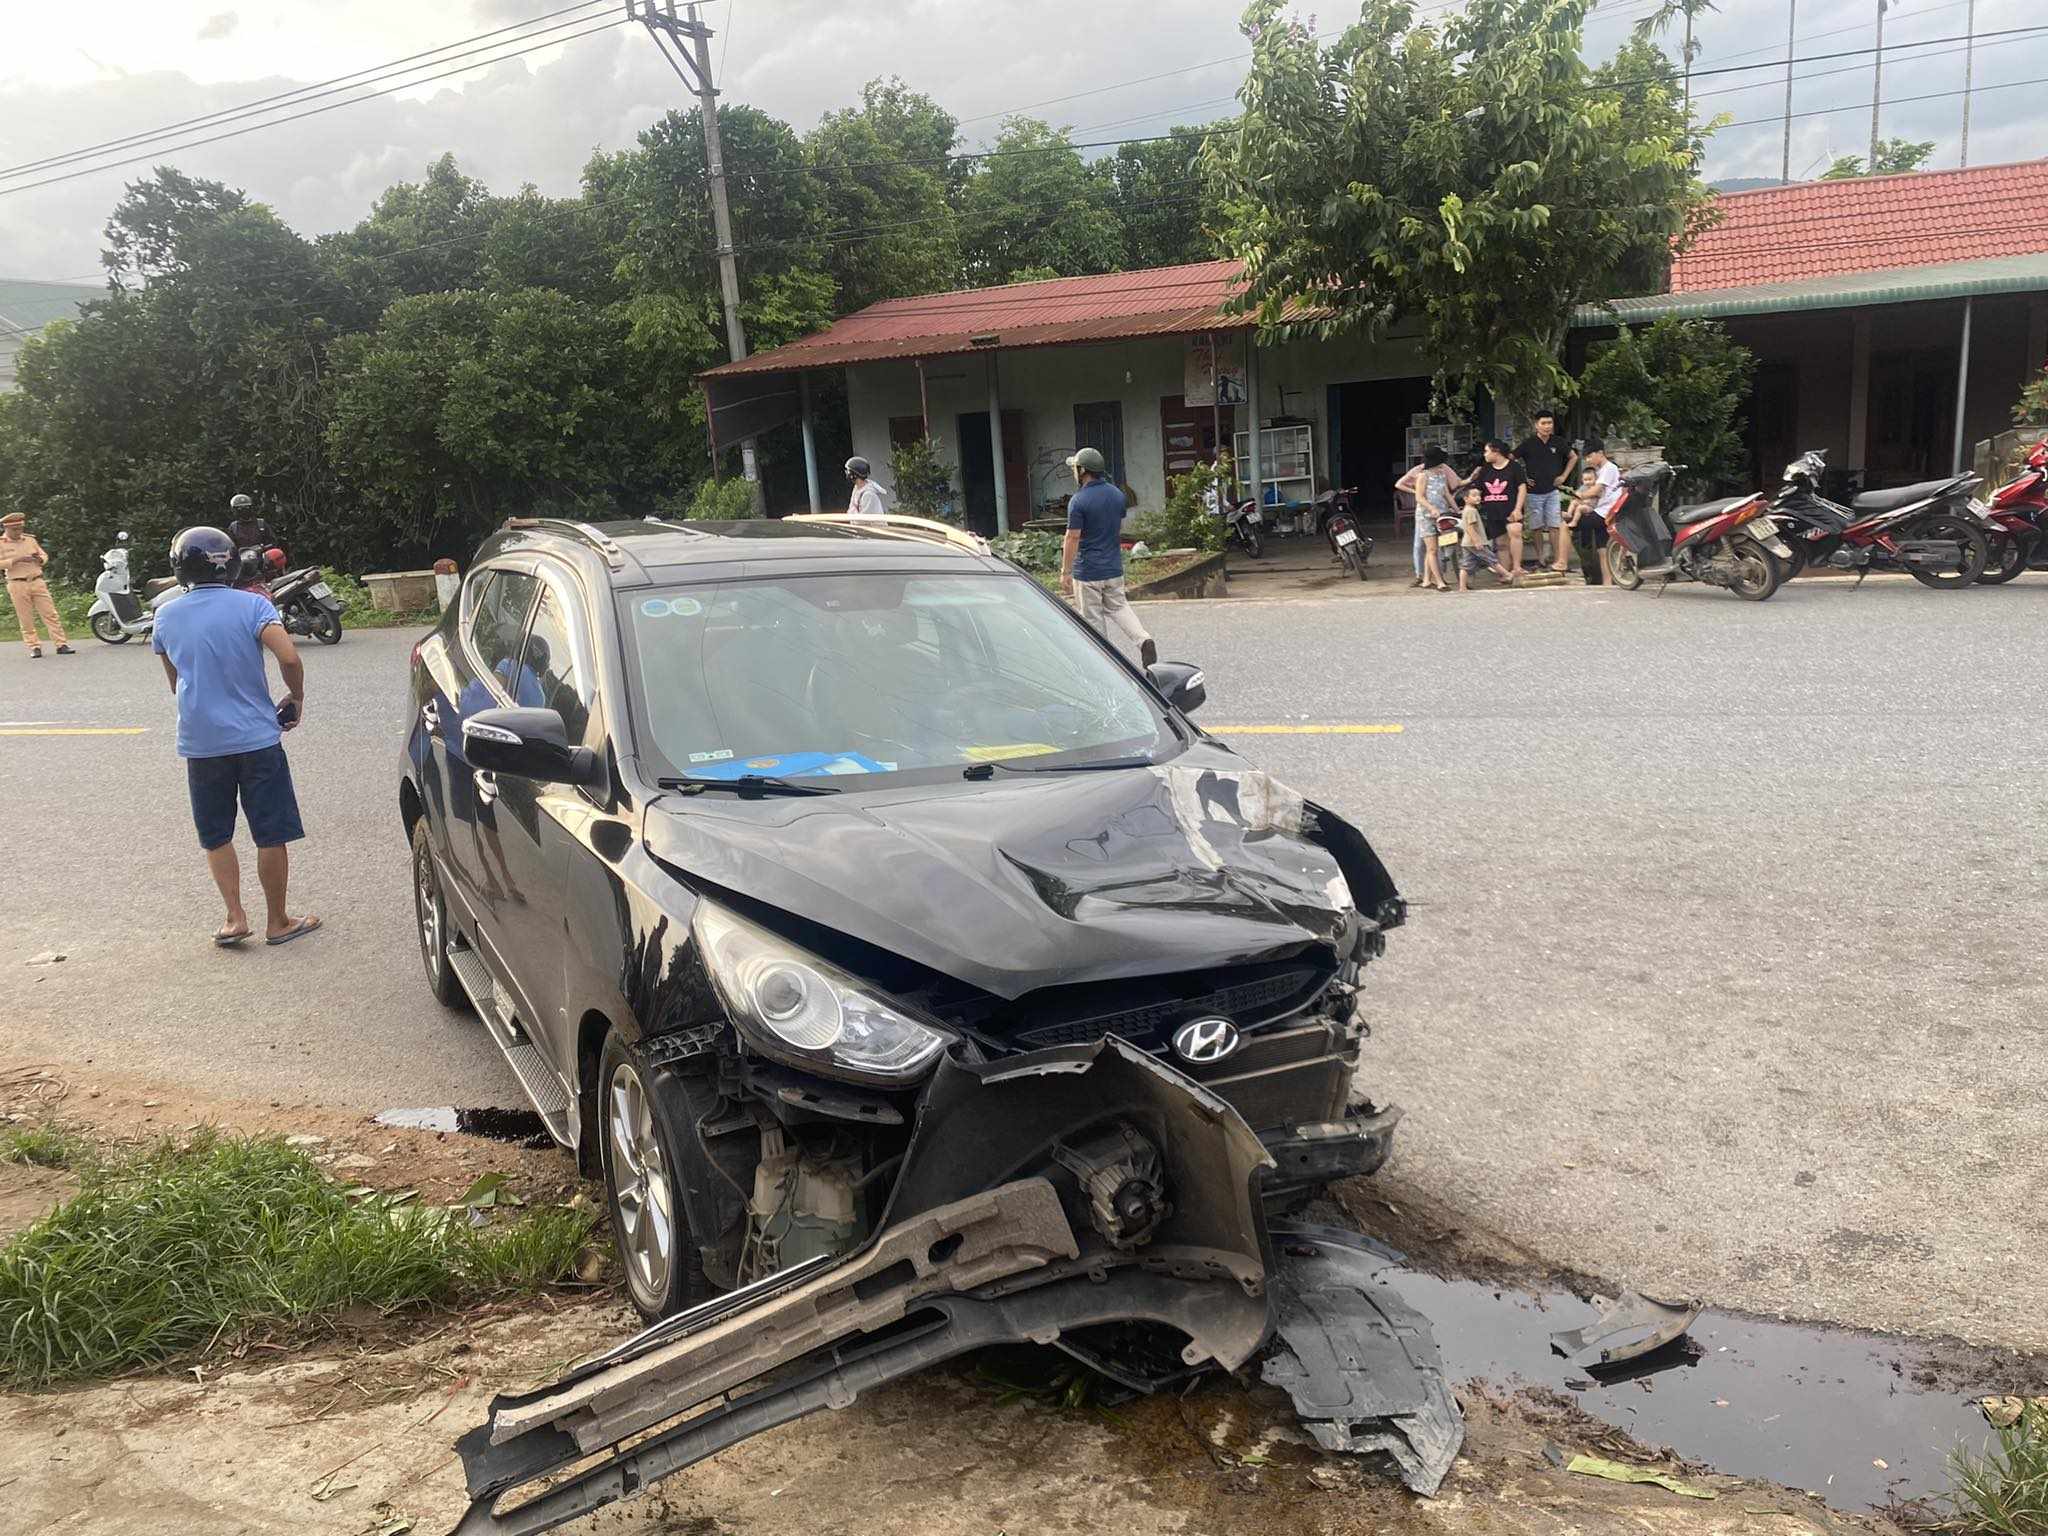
(294,96)
(90,170)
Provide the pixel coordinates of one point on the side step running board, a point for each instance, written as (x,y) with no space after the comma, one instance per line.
(542,1087)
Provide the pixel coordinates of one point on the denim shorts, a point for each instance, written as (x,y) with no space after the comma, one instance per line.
(1478,559)
(1542,511)
(262,780)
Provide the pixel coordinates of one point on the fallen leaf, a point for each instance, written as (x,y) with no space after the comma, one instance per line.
(303,1140)
(2003,1412)
(1616,1472)
(327,1487)
(489,1189)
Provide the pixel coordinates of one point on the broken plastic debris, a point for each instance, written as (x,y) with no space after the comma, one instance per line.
(1628,1326)
(1619,1472)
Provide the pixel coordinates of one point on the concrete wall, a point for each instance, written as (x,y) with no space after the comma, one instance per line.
(1046,384)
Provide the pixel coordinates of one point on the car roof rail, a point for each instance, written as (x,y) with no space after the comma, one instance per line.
(900,526)
(595,537)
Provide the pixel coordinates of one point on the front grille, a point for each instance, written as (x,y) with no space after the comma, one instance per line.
(1145,1010)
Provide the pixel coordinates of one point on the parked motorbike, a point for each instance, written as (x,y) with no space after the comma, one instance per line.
(1335,517)
(1933,531)
(1247,526)
(306,603)
(1353,547)
(116,613)
(1730,543)
(2016,511)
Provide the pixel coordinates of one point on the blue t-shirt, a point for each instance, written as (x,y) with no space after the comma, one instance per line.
(211,635)
(1097,509)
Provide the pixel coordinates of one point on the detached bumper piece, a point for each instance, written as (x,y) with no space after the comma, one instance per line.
(1051,1199)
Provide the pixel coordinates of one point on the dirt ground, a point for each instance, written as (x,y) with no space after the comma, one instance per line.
(352,1431)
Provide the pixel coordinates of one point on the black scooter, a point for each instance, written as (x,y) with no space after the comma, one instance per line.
(1933,531)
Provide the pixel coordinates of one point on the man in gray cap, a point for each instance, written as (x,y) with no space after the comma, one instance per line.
(1092,560)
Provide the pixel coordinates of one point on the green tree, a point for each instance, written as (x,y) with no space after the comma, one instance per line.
(1472,176)
(1681,383)
(924,481)
(155,216)
(421,237)
(1158,200)
(1893,156)
(1034,203)
(883,171)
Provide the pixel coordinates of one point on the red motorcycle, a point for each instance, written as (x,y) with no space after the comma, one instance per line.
(2017,511)
(1730,543)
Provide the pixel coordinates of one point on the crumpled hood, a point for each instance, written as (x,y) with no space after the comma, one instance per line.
(1031,880)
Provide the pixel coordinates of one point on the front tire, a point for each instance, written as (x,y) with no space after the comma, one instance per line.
(430,917)
(1623,566)
(1254,541)
(640,1134)
(2009,555)
(108,628)
(1951,529)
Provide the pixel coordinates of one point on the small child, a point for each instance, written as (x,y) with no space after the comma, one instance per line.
(1476,549)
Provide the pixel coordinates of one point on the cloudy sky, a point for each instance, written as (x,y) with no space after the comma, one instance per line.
(72,77)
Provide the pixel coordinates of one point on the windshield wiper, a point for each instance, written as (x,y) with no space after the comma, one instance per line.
(1101,767)
(747,784)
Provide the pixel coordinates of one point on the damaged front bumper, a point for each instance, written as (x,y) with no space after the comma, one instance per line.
(1042,1199)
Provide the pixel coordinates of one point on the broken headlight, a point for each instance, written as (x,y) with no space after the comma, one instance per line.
(803,1009)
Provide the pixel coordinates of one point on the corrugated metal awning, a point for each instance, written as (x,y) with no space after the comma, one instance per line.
(1895,285)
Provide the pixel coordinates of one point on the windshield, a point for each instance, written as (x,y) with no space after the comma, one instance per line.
(865,674)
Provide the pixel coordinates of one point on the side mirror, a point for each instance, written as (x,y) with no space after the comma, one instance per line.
(528,744)
(1180,684)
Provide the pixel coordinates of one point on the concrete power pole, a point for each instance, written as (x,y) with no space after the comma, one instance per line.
(1876,89)
(1969,73)
(1791,51)
(686,43)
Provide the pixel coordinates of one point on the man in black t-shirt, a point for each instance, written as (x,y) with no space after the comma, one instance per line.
(1503,490)
(1549,463)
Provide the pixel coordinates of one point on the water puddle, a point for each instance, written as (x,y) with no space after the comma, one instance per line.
(1858,1418)
(520,1127)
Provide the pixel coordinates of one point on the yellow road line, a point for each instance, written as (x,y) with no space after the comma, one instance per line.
(1303,730)
(79,730)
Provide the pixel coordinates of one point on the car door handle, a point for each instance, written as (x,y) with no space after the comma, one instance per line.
(486,785)
(430,717)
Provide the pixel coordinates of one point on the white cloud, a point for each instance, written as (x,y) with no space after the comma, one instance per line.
(217,26)
(538,118)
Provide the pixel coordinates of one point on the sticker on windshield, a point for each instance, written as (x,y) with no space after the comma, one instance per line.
(671,607)
(792,765)
(998,754)
(711,757)
(654,608)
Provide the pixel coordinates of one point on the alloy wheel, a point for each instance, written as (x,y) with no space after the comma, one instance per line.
(426,893)
(641,1188)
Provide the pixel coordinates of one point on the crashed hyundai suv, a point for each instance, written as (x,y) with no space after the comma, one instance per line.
(914,973)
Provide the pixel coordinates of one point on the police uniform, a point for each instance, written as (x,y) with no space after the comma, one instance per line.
(22,560)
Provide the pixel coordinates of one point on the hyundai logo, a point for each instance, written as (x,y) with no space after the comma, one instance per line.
(1205,1040)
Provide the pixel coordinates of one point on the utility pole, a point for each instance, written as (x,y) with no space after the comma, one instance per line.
(1791,52)
(1969,71)
(686,43)
(1876,89)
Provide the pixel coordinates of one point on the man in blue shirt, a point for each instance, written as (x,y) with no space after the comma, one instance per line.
(1092,560)
(211,639)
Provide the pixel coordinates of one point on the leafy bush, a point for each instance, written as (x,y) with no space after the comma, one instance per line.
(924,481)
(2031,409)
(164,1252)
(1186,522)
(718,501)
(1680,383)
(1033,549)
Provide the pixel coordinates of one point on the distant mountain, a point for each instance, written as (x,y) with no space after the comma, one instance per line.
(1747,183)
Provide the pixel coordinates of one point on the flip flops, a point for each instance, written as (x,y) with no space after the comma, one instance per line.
(298,930)
(225,940)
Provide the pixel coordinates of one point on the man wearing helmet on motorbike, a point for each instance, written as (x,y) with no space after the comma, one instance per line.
(212,641)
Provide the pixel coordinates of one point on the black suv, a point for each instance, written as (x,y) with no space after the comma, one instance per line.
(731,832)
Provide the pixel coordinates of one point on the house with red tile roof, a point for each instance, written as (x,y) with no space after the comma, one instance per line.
(1894,318)
(1856,296)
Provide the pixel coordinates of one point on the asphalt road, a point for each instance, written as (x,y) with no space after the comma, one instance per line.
(1722,976)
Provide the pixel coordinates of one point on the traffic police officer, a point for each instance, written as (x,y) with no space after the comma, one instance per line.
(22,560)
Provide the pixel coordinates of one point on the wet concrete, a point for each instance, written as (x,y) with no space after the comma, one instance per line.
(520,1127)
(1860,1419)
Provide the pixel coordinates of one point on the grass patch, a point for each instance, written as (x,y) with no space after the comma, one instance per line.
(44,1146)
(165,1252)
(2003,1490)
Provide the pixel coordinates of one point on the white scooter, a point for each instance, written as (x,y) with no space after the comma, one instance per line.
(116,614)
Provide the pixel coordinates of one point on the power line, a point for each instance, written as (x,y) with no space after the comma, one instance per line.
(296,93)
(276,122)
(1890,101)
